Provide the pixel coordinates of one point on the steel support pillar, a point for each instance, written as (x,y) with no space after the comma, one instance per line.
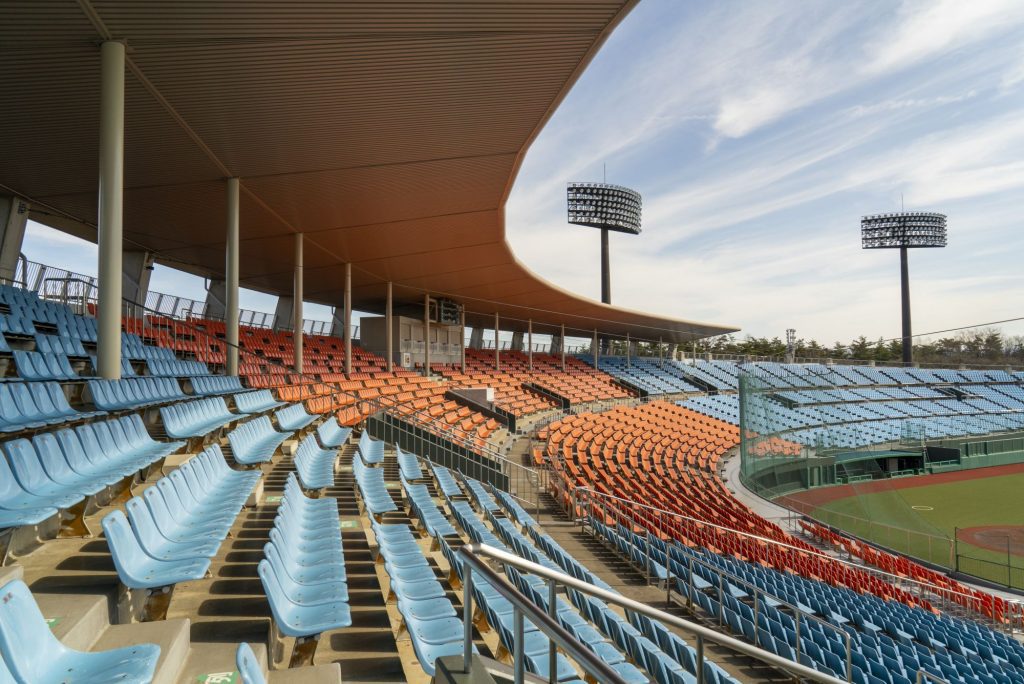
(111,206)
(426,335)
(561,346)
(297,304)
(462,339)
(497,343)
(596,351)
(529,342)
(627,350)
(389,341)
(231,308)
(347,321)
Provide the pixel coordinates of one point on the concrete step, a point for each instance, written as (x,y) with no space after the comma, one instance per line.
(172,636)
(205,660)
(10,572)
(76,619)
(316,674)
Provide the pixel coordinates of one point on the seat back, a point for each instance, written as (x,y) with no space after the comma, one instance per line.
(26,642)
(248,667)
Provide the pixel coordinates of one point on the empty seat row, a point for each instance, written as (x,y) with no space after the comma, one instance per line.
(422,507)
(61,469)
(255,441)
(293,417)
(55,344)
(133,393)
(175,527)
(427,614)
(374,494)
(446,482)
(195,418)
(315,465)
(303,569)
(17,325)
(32,365)
(176,368)
(331,434)
(257,401)
(34,405)
(409,466)
(212,385)
(371,451)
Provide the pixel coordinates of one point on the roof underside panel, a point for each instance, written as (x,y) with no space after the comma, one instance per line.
(388,133)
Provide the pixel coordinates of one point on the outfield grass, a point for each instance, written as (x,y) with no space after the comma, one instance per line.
(890,519)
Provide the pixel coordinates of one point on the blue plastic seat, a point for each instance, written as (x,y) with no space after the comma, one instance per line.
(256,401)
(293,417)
(247,665)
(371,451)
(294,619)
(137,569)
(255,441)
(331,434)
(34,654)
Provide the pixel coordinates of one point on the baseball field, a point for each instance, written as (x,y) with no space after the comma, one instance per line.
(982,509)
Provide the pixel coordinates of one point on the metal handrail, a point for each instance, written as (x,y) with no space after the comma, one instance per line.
(594,666)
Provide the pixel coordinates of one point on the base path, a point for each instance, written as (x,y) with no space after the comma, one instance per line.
(994,538)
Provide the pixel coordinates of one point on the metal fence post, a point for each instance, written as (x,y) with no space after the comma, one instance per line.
(552,649)
(518,661)
(467,616)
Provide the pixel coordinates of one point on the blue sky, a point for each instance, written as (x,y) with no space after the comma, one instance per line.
(759,133)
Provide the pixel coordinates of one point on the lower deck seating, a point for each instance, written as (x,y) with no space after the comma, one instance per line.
(331,434)
(255,441)
(133,393)
(293,417)
(195,418)
(303,571)
(256,401)
(178,524)
(36,405)
(315,465)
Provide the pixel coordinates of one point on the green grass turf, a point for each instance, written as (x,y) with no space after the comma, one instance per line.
(888,518)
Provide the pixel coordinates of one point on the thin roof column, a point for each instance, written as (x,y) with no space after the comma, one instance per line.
(595,351)
(426,335)
(231,314)
(111,207)
(348,321)
(497,343)
(529,342)
(661,354)
(388,338)
(627,350)
(562,346)
(297,304)
(462,338)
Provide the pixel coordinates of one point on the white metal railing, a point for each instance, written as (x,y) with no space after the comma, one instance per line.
(473,558)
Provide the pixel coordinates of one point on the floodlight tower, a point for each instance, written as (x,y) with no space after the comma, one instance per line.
(608,207)
(904,230)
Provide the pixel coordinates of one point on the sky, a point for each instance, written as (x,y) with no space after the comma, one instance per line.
(759,134)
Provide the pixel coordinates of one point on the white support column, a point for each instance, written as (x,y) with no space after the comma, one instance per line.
(462,339)
(388,334)
(529,342)
(297,304)
(426,335)
(595,352)
(111,193)
(231,278)
(497,343)
(348,321)
(627,350)
(562,345)
(13,218)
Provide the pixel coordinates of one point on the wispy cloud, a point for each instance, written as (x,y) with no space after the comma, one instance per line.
(759,134)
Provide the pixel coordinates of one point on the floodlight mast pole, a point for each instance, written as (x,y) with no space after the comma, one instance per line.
(908,346)
(606,275)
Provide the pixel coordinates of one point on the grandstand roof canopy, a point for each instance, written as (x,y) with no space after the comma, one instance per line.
(388,133)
